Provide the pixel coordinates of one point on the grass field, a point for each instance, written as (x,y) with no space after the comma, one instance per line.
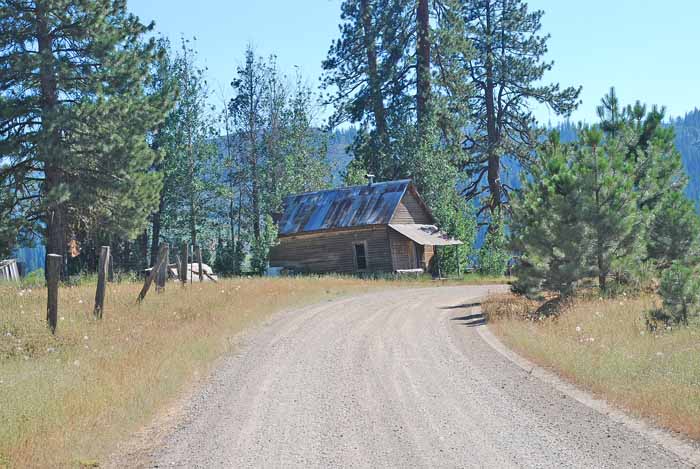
(604,346)
(66,400)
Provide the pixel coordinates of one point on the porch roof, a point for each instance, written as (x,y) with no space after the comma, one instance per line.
(424,235)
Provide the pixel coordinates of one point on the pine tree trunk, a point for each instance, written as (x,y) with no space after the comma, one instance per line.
(155,241)
(48,145)
(377,98)
(142,246)
(494,160)
(423,64)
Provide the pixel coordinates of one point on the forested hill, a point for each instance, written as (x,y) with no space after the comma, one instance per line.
(688,143)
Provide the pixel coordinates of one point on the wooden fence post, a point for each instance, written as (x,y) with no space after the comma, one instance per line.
(102,275)
(153,272)
(162,274)
(199,263)
(184,254)
(53,274)
(110,267)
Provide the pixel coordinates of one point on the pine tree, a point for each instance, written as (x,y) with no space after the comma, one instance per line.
(548,229)
(609,203)
(674,231)
(76,112)
(506,72)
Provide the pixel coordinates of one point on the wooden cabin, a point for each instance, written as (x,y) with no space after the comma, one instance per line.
(379,227)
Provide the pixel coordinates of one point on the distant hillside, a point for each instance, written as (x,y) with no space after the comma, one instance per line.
(338,154)
(688,143)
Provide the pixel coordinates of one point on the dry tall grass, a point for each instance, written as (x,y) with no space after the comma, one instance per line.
(69,398)
(604,346)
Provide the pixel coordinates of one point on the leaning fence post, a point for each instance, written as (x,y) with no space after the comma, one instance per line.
(53,274)
(152,274)
(199,263)
(184,254)
(102,274)
(162,274)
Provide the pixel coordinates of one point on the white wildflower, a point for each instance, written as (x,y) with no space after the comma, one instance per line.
(578,328)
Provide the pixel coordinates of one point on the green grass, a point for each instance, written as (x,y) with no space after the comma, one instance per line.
(604,345)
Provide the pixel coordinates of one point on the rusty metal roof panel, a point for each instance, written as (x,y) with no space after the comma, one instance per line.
(346,207)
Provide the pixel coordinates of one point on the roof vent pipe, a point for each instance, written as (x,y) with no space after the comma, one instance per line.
(370,179)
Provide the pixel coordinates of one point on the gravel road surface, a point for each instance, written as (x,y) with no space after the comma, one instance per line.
(399,378)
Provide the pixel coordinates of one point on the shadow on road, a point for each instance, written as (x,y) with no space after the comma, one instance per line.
(471,320)
(466,305)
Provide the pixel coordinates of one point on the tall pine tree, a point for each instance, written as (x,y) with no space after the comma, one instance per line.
(506,71)
(75,115)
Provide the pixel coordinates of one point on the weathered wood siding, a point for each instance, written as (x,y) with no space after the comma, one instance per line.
(332,251)
(402,251)
(411,211)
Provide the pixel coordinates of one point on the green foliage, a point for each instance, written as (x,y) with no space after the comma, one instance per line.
(674,231)
(355,173)
(495,253)
(609,202)
(428,161)
(548,229)
(605,205)
(260,248)
(186,141)
(279,152)
(35,279)
(680,290)
(79,100)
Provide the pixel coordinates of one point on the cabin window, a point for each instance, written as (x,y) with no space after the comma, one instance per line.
(360,252)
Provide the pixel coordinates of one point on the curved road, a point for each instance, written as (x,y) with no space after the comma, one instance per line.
(391,379)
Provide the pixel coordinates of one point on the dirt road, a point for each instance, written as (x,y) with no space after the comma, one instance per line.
(391,379)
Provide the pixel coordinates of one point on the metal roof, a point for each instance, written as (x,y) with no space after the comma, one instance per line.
(346,207)
(425,235)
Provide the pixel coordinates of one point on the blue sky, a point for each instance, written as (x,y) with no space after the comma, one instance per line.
(648,50)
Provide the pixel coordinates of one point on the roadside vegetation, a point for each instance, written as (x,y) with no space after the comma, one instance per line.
(607,347)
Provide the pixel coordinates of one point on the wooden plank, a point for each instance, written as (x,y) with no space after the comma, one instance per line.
(53,275)
(102,275)
(410,210)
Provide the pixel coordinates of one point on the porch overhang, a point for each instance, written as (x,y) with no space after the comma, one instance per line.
(425,235)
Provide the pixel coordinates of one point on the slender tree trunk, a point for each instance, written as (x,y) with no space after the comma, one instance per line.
(378,109)
(494,160)
(155,241)
(48,144)
(423,65)
(142,243)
